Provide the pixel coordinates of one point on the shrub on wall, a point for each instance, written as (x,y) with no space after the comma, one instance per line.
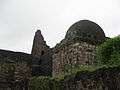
(44,83)
(61,81)
(39,83)
(109,52)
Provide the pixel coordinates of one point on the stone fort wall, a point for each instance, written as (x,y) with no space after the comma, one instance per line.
(78,47)
(15,70)
(72,55)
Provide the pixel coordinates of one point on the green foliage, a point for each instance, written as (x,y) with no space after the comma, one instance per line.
(57,83)
(81,68)
(109,52)
(108,55)
(68,69)
(39,83)
(44,83)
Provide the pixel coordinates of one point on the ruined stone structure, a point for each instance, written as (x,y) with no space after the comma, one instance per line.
(87,31)
(15,70)
(39,45)
(42,62)
(78,46)
(102,79)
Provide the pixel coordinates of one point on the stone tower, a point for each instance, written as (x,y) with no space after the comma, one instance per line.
(39,45)
(42,62)
(78,46)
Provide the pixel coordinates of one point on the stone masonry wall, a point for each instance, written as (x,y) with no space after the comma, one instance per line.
(42,62)
(102,79)
(69,56)
(15,70)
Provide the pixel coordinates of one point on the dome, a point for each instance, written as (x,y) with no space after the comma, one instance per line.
(87,31)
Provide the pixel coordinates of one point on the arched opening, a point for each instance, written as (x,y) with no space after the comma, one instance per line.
(42,53)
(40,61)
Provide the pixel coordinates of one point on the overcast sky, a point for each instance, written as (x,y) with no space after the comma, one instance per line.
(19,19)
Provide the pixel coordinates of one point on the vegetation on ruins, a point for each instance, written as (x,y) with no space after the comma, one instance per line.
(108,53)
(58,82)
(108,56)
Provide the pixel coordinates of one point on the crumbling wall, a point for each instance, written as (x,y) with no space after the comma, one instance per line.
(78,46)
(107,78)
(71,55)
(15,70)
(42,62)
(102,79)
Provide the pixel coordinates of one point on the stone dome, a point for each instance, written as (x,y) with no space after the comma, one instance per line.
(87,31)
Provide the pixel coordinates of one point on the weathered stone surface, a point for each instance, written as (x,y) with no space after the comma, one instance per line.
(78,46)
(87,31)
(15,70)
(102,79)
(42,66)
(39,45)
(106,78)
(70,56)
(42,62)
